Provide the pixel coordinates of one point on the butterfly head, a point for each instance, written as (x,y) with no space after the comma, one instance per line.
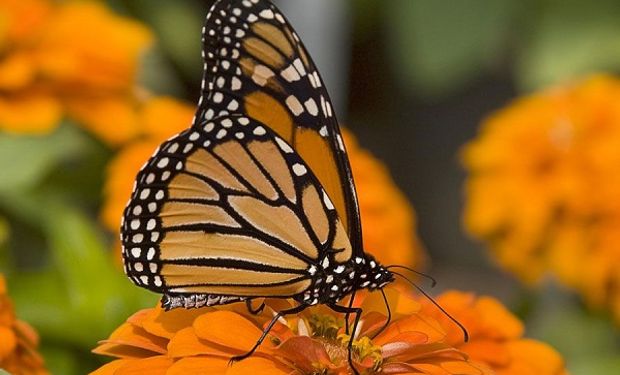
(372,274)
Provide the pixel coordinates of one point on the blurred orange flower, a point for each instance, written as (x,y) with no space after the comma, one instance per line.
(184,341)
(544,178)
(70,58)
(18,341)
(158,119)
(496,336)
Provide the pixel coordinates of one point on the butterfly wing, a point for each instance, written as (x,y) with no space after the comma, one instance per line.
(229,209)
(256,65)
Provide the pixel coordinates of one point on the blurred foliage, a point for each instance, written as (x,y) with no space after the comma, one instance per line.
(175,23)
(438,46)
(61,274)
(567,39)
(38,156)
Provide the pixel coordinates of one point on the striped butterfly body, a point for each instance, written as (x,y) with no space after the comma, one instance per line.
(256,199)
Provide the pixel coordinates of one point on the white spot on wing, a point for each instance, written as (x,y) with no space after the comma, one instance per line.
(311,107)
(259,130)
(267,14)
(261,74)
(290,74)
(284,146)
(294,105)
(327,201)
(299,169)
(235,84)
(300,67)
(163,163)
(340,143)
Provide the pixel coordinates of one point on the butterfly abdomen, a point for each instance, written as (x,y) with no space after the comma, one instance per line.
(170,302)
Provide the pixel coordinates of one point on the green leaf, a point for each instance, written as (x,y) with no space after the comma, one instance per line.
(61,360)
(439,46)
(601,365)
(25,160)
(3,372)
(568,39)
(98,292)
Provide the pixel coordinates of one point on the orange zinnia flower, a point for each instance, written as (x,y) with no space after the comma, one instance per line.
(543,186)
(74,58)
(496,336)
(185,341)
(18,341)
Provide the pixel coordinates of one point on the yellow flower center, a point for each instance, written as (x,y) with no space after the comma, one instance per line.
(325,329)
(325,326)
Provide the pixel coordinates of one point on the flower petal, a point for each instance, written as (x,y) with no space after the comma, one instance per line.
(102,57)
(128,335)
(8,342)
(258,366)
(153,366)
(305,353)
(534,357)
(96,115)
(463,368)
(185,344)
(403,343)
(400,368)
(217,327)
(162,117)
(110,368)
(29,113)
(415,323)
(491,352)
(199,365)
(168,323)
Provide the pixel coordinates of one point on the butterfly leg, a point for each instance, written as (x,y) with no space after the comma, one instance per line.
(294,310)
(358,314)
(389,315)
(253,311)
(346,317)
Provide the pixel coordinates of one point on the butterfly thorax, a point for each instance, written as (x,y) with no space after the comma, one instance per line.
(333,281)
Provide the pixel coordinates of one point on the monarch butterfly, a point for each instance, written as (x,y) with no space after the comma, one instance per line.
(256,199)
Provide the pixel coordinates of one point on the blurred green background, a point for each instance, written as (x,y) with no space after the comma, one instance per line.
(412,78)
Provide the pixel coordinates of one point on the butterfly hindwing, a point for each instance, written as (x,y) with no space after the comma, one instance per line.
(229,209)
(256,65)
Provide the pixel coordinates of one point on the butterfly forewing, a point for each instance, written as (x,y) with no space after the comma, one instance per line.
(256,65)
(229,209)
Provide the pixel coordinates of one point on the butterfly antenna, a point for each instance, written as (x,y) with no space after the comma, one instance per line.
(428,277)
(465,333)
